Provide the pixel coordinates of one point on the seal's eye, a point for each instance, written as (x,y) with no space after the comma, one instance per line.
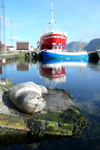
(37,97)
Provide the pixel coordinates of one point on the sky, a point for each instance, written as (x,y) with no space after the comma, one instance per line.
(79,18)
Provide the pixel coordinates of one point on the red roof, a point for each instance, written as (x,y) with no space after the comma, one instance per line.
(10,47)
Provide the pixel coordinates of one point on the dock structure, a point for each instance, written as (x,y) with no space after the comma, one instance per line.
(93,56)
(35,54)
(8,56)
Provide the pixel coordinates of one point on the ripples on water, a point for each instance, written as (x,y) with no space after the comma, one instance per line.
(80,78)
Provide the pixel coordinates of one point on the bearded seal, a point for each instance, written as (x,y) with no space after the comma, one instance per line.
(27,97)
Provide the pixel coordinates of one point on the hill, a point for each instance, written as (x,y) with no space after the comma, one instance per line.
(93,45)
(75,46)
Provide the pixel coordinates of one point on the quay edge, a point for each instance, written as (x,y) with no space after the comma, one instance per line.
(93,56)
(34,54)
(8,56)
(37,54)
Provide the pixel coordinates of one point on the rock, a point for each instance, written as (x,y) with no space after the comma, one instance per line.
(58,100)
(45,127)
(27,97)
(5,85)
(59,117)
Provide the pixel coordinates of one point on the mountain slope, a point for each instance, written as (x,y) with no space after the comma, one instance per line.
(75,46)
(93,45)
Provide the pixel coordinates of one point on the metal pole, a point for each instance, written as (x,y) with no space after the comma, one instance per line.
(3,23)
(52,20)
(0,28)
(11,32)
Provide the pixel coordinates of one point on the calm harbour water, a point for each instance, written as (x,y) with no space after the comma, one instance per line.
(80,78)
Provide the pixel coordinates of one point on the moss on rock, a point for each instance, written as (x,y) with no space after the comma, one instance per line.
(65,123)
(43,127)
(5,85)
(13,122)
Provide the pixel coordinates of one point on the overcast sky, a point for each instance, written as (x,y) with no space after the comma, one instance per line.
(79,18)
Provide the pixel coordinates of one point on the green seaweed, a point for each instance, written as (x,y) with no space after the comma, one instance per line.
(51,116)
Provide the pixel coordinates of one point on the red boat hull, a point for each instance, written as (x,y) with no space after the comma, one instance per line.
(47,40)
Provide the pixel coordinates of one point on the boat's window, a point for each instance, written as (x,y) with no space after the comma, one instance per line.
(59,47)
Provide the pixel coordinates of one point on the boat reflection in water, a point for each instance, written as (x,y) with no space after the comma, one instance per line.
(53,70)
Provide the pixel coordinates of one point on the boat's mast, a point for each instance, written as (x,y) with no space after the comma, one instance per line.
(80,43)
(52,20)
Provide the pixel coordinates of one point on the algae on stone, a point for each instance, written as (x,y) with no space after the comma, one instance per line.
(13,122)
(43,127)
(65,123)
(5,85)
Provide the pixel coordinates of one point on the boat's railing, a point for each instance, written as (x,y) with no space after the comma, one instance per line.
(66,50)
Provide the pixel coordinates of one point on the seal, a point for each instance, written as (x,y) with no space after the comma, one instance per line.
(27,97)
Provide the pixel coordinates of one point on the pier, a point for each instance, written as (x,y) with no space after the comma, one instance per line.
(34,54)
(93,56)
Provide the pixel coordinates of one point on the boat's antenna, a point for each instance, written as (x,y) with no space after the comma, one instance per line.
(52,20)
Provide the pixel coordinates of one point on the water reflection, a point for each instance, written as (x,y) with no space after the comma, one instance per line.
(86,92)
(0,69)
(22,67)
(98,64)
(53,70)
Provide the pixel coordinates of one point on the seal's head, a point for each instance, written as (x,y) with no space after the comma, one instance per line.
(30,102)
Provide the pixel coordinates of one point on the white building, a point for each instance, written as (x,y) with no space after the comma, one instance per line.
(10,48)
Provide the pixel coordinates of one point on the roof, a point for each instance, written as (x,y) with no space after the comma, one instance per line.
(10,47)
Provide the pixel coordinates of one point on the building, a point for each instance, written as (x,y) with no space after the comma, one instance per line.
(23,46)
(10,48)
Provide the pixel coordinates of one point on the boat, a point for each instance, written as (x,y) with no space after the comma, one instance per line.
(58,53)
(52,35)
(98,52)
